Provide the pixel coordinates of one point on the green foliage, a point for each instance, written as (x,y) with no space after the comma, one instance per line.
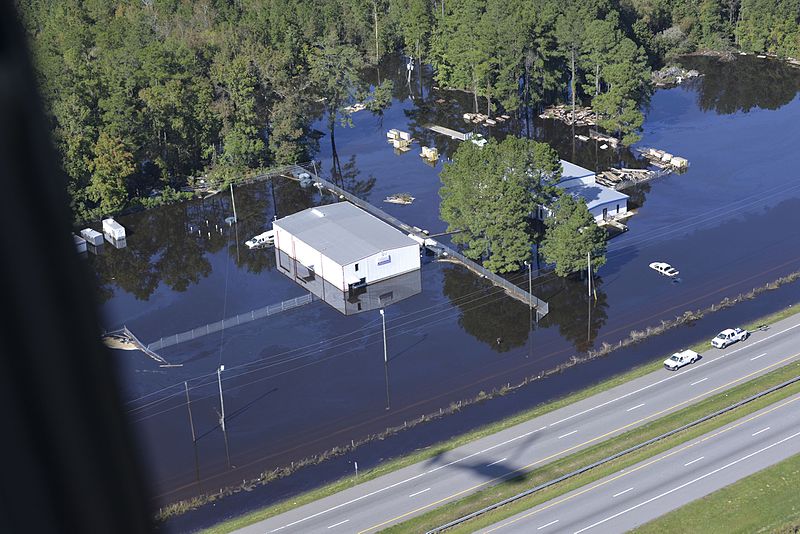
(770,26)
(488,195)
(111,166)
(571,234)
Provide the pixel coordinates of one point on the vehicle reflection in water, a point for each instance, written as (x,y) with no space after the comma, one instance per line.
(369,297)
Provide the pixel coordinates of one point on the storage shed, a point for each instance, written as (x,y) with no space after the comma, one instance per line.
(93,237)
(80,243)
(344,245)
(113,230)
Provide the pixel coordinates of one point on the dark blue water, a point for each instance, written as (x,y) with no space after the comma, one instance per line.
(305,380)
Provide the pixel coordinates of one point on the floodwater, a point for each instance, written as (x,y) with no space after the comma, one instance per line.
(302,381)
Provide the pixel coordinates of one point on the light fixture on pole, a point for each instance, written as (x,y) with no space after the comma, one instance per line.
(221,400)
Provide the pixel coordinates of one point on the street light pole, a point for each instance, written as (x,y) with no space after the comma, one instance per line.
(385,354)
(221,400)
(385,357)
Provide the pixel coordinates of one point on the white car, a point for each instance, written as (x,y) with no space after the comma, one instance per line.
(261,240)
(679,359)
(729,337)
(664,268)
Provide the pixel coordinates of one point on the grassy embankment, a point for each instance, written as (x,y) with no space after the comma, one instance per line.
(417,456)
(766,501)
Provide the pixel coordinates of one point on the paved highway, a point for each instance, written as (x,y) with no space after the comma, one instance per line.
(665,482)
(395,497)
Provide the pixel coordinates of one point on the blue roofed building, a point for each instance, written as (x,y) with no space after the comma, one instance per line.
(604,203)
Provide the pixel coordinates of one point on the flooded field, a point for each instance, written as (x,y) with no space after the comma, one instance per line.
(299,382)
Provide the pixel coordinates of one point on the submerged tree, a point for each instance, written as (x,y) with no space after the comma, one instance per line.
(488,195)
(572,234)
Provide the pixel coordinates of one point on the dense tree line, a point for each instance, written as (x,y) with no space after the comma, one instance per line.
(144,94)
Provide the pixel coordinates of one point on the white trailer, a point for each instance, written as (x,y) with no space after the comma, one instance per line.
(80,243)
(113,229)
(93,237)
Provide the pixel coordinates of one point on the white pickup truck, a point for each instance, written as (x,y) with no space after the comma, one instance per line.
(679,359)
(729,337)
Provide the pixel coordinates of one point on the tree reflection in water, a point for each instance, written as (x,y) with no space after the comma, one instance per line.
(741,84)
(486,312)
(578,316)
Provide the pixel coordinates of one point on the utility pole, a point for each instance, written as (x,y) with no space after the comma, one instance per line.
(233,201)
(189,405)
(385,358)
(221,400)
(589,271)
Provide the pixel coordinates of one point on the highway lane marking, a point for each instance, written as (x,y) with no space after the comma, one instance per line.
(339,523)
(757,357)
(701,477)
(419,492)
(391,486)
(696,366)
(548,524)
(567,434)
(644,465)
(577,446)
(497,462)
(621,493)
(760,431)
(693,461)
(693,368)
(701,380)
(637,406)
(506,442)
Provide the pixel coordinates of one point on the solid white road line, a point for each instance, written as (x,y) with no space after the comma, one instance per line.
(548,524)
(339,523)
(678,488)
(757,357)
(760,431)
(567,434)
(693,368)
(695,383)
(693,461)
(637,406)
(497,462)
(390,486)
(419,492)
(621,493)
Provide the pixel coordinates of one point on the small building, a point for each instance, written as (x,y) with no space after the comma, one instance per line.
(604,203)
(80,243)
(93,237)
(344,245)
(113,230)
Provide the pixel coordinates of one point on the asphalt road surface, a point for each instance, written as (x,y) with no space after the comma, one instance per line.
(413,490)
(665,482)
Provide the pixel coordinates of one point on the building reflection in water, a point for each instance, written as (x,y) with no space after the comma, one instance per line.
(357,300)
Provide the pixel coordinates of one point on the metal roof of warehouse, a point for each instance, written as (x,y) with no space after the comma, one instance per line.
(343,232)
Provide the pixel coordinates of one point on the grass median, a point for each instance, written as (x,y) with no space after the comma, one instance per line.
(600,450)
(453,443)
(763,502)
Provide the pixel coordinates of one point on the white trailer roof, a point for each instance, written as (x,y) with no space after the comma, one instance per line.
(343,232)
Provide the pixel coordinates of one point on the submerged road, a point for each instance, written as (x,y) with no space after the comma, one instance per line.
(415,489)
(667,481)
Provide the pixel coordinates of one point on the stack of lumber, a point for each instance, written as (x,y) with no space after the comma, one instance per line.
(583,116)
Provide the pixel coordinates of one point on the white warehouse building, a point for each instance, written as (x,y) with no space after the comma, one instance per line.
(603,202)
(344,245)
